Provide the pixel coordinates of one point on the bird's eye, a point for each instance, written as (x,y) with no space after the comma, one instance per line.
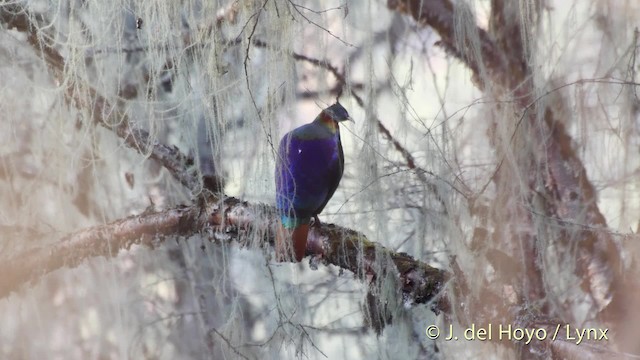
(299,151)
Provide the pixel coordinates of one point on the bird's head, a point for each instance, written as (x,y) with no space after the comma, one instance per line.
(331,116)
(337,112)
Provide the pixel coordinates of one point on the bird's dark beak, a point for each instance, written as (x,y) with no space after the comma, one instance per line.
(350,119)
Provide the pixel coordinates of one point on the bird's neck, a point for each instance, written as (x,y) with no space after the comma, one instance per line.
(325,120)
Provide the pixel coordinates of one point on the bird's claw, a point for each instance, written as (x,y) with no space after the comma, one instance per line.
(314,260)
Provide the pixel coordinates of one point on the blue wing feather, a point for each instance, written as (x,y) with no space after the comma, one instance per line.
(308,170)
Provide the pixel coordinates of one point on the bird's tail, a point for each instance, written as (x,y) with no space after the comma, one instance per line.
(291,242)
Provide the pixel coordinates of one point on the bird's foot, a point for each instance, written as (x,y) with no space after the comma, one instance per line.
(315,260)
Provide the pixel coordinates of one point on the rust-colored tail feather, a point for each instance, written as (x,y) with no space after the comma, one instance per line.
(285,238)
(299,238)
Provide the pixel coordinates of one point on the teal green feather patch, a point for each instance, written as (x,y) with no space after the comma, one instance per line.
(292,222)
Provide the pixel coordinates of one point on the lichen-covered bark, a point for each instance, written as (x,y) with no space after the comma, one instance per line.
(225,220)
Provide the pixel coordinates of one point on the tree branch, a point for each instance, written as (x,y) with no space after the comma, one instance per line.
(417,282)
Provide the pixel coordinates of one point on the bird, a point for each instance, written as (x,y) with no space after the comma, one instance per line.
(309,166)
